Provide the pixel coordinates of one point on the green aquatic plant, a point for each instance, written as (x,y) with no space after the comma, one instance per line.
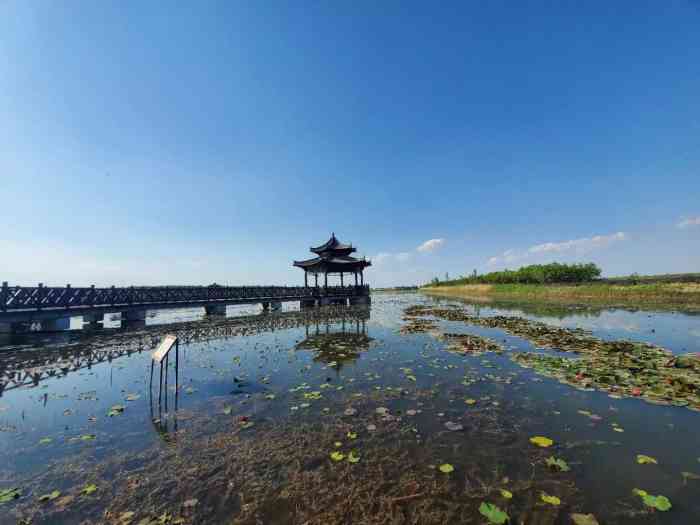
(659,502)
(446,468)
(558,464)
(493,513)
(50,496)
(644,460)
(7,495)
(541,441)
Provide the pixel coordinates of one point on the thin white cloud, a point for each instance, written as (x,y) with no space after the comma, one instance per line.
(580,245)
(384,257)
(380,258)
(431,245)
(577,246)
(689,222)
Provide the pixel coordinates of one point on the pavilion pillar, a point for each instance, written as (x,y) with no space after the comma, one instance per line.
(316,277)
(362,278)
(306,279)
(355,278)
(341,278)
(325,276)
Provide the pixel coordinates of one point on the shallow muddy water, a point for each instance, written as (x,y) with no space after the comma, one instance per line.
(337,416)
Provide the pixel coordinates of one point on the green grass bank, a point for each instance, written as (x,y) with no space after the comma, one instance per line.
(660,293)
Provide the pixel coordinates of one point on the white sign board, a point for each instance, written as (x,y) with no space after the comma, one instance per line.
(164,347)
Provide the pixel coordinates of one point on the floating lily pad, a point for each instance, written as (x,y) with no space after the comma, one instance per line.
(353,457)
(584,519)
(337,456)
(541,441)
(552,500)
(557,463)
(689,475)
(9,495)
(661,503)
(89,489)
(50,496)
(494,514)
(446,468)
(115,410)
(507,494)
(644,460)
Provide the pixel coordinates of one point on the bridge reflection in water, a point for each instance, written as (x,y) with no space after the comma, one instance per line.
(29,366)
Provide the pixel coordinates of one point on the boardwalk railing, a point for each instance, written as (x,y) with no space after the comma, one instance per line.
(28,298)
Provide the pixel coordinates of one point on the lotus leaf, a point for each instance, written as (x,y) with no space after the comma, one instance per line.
(552,500)
(50,496)
(558,463)
(446,468)
(584,519)
(493,513)
(541,441)
(644,460)
(9,495)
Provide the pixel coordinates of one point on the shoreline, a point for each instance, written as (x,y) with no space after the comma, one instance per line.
(669,295)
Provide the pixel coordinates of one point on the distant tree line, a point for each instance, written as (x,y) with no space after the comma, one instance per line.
(532,274)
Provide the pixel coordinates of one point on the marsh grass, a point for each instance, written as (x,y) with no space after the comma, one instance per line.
(673,293)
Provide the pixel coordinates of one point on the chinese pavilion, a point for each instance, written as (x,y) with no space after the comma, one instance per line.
(333,257)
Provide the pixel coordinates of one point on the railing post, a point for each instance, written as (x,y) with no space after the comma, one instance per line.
(67,299)
(40,296)
(4,296)
(112,295)
(91,301)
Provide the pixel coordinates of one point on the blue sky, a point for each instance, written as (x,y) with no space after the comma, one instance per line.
(152,142)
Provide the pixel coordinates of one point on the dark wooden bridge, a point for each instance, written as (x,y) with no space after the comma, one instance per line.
(20,305)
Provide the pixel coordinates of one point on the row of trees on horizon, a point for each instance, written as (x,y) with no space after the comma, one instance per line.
(532,274)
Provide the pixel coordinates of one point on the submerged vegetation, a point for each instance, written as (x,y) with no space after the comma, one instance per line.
(622,368)
(432,415)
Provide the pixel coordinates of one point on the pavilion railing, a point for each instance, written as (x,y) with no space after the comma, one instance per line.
(50,297)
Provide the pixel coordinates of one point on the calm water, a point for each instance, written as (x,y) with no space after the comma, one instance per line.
(261,403)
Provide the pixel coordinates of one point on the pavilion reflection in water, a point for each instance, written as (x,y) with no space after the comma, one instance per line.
(337,342)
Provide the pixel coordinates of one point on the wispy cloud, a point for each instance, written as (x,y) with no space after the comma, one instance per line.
(428,246)
(431,245)
(577,246)
(689,222)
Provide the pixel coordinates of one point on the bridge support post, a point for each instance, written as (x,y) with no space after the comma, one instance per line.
(215,310)
(134,318)
(307,303)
